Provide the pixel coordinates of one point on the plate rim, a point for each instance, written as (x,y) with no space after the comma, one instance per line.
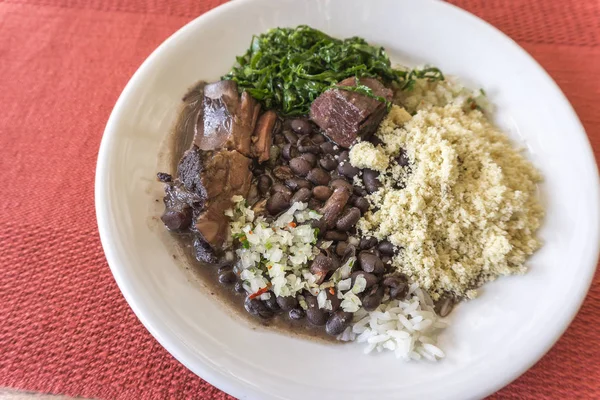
(176,347)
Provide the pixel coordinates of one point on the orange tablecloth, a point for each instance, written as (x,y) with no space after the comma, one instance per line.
(64,326)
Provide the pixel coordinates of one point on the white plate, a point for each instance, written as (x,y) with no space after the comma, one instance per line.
(492,340)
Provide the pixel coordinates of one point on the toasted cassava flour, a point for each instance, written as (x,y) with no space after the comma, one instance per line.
(469,210)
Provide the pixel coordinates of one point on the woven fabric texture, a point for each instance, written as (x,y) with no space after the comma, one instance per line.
(64,326)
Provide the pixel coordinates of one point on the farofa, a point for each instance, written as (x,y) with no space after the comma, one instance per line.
(469,211)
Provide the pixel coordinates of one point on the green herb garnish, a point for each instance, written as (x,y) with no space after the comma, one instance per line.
(288,68)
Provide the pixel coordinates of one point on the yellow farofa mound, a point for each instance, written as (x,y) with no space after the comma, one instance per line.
(469,211)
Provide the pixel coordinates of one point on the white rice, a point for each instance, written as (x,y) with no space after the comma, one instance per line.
(409,328)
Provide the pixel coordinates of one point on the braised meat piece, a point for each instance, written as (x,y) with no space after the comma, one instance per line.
(227,120)
(225,174)
(345,115)
(202,191)
(263,136)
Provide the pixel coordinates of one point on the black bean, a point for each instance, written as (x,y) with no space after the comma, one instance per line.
(305,145)
(336,175)
(370,278)
(334,206)
(386,247)
(350,251)
(373,298)
(338,322)
(258,308)
(239,287)
(374,251)
(370,262)
(176,220)
(347,169)
(371,180)
(340,249)
(290,136)
(310,157)
(289,151)
(344,156)
(272,304)
(327,148)
(337,183)
(321,193)
(444,305)
(322,264)
(278,187)
(328,162)
(348,219)
(264,183)
(335,235)
(227,278)
(298,183)
(361,203)
(358,191)
(387,260)
(402,158)
(367,243)
(301,126)
(318,176)
(302,195)
(283,172)
(316,316)
(399,292)
(296,314)
(287,303)
(300,166)
(277,203)
(318,138)
(335,302)
(395,279)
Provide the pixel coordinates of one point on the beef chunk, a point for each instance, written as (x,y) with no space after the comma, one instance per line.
(224,174)
(227,120)
(263,136)
(344,115)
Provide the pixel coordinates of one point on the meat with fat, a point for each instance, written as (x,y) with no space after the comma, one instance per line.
(345,115)
(227,120)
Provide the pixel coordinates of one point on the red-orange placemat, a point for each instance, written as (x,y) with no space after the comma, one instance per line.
(64,325)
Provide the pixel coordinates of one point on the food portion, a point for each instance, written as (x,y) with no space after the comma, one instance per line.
(328,189)
(468,210)
(345,116)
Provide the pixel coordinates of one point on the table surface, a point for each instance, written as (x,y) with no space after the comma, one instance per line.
(64,326)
